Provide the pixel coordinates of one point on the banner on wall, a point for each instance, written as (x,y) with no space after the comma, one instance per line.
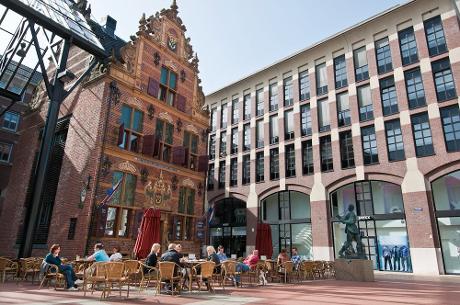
(394,254)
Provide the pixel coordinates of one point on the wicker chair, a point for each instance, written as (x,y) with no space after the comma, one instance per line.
(133,272)
(229,271)
(287,270)
(306,269)
(30,267)
(329,270)
(318,270)
(168,275)
(52,274)
(271,270)
(96,276)
(115,274)
(149,275)
(204,271)
(7,267)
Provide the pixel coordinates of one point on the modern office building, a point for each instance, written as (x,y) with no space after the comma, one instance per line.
(367,117)
(135,125)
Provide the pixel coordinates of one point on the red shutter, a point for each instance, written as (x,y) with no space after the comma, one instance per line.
(148,145)
(153,87)
(180,103)
(178,155)
(121,134)
(101,219)
(156,147)
(136,223)
(203,163)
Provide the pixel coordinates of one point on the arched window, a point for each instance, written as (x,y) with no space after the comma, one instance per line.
(446,195)
(288,214)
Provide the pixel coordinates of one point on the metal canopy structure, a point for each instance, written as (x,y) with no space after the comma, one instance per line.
(38,30)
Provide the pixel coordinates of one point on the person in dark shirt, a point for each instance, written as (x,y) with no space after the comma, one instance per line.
(152,258)
(213,257)
(171,255)
(53,258)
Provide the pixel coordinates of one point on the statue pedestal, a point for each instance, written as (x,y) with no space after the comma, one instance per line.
(359,270)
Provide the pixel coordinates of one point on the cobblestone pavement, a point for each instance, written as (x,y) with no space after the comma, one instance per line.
(383,291)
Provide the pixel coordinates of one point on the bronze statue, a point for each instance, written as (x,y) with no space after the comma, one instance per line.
(352,231)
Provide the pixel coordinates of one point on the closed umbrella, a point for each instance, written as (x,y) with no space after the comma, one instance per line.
(149,233)
(264,240)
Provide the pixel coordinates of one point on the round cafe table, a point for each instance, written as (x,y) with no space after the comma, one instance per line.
(188,265)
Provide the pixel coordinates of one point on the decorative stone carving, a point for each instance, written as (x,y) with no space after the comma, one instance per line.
(127,167)
(157,192)
(165,116)
(128,55)
(191,128)
(188,183)
(171,64)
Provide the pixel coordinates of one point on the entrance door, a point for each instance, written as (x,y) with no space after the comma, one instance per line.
(369,240)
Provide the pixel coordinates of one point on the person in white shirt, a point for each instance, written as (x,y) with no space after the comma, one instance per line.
(116,255)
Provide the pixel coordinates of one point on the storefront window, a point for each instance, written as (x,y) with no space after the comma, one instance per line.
(393,245)
(380,210)
(446,195)
(449,231)
(288,214)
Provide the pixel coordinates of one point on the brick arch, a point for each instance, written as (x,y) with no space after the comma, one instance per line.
(299,188)
(442,170)
(394,179)
(273,191)
(269,191)
(221,196)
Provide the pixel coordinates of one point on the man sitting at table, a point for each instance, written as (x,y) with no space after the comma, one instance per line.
(69,274)
(172,256)
(116,255)
(221,254)
(99,254)
(295,258)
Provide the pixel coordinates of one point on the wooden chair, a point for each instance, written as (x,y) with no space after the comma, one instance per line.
(256,271)
(204,271)
(95,275)
(306,269)
(329,270)
(29,267)
(271,270)
(318,270)
(115,274)
(286,269)
(218,274)
(52,274)
(229,271)
(7,267)
(168,275)
(149,275)
(133,272)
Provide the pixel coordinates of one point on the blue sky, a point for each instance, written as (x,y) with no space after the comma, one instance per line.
(234,38)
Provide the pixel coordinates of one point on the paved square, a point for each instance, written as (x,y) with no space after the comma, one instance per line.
(312,292)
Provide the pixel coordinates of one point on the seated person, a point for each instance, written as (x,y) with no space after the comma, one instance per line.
(99,254)
(116,255)
(213,257)
(152,258)
(221,254)
(178,248)
(282,257)
(249,263)
(172,256)
(295,258)
(69,274)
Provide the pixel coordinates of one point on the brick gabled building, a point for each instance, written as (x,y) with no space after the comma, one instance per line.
(137,118)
